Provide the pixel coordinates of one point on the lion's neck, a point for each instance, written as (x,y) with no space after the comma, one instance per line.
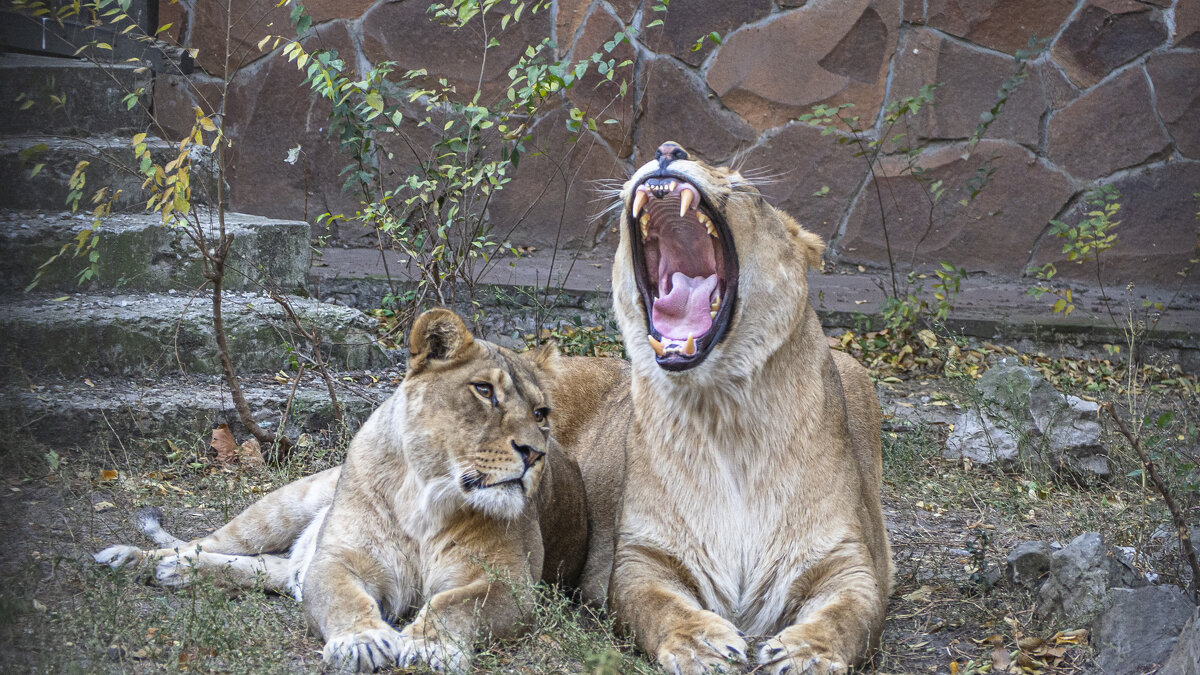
(710,421)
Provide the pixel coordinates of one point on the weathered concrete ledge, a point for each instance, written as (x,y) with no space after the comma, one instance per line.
(159,334)
(138,253)
(91,102)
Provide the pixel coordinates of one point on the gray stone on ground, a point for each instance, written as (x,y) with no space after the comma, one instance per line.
(1185,658)
(1081,575)
(1139,628)
(1026,418)
(138,253)
(1028,563)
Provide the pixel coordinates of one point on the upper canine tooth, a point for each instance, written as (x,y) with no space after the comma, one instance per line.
(685,200)
(656,345)
(639,200)
(689,347)
(645,223)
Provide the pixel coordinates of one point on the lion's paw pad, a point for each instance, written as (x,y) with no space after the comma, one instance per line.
(779,658)
(364,651)
(439,655)
(118,556)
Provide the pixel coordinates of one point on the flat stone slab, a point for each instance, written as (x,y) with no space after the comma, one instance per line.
(112,165)
(181,408)
(164,333)
(91,100)
(138,253)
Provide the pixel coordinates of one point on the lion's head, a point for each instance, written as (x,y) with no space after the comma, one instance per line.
(706,270)
(477,416)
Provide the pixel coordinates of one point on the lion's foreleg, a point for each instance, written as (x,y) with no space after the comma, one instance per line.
(444,632)
(840,617)
(341,599)
(651,600)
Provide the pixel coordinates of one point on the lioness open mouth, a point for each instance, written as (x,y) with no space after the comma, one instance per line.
(686,268)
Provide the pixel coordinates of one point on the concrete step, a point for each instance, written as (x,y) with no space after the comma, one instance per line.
(138,253)
(112,165)
(168,333)
(70,97)
(183,409)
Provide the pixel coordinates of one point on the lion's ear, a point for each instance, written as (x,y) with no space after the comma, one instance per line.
(811,246)
(437,335)
(545,358)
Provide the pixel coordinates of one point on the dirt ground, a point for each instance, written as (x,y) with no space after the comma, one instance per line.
(951,527)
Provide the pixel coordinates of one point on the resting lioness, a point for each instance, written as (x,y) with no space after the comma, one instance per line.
(734,483)
(452,501)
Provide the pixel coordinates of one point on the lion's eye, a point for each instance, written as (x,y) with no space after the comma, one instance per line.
(541,414)
(483,389)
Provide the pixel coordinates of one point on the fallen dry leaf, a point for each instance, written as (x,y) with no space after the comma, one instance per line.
(101,507)
(107,475)
(920,595)
(227,448)
(1001,661)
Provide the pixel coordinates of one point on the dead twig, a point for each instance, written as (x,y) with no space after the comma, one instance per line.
(1181,526)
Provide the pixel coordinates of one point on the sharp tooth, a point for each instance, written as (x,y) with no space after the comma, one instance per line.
(658,347)
(645,223)
(639,200)
(712,231)
(716,304)
(713,314)
(671,186)
(689,347)
(685,200)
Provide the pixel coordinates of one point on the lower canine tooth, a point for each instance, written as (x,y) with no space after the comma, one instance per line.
(689,347)
(713,314)
(656,345)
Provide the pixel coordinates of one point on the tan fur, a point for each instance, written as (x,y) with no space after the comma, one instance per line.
(747,499)
(403,532)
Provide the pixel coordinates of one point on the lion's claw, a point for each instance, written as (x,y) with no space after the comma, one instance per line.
(709,649)
(364,651)
(780,658)
(439,654)
(118,556)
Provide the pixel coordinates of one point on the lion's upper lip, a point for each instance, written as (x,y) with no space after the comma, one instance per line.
(684,263)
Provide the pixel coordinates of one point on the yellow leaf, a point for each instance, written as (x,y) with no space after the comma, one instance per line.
(108,475)
(207,125)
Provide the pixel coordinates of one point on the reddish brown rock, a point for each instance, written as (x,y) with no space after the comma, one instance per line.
(914,13)
(403,33)
(1156,237)
(792,3)
(970,83)
(251,21)
(1176,77)
(264,100)
(1111,127)
(796,165)
(688,22)
(993,233)
(1107,34)
(599,97)
(829,53)
(176,98)
(1059,90)
(1187,24)
(675,107)
(176,15)
(1004,25)
(553,194)
(569,17)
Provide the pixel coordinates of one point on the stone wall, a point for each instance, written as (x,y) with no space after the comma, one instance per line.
(1115,98)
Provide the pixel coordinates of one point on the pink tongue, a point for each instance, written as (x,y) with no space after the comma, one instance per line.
(685,310)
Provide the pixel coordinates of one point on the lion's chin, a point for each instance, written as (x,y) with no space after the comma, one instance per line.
(506,501)
(686,268)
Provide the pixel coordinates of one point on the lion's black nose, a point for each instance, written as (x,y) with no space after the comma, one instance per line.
(528,454)
(669,152)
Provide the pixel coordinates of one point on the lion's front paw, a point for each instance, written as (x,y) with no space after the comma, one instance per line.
(118,556)
(439,653)
(702,645)
(780,655)
(365,650)
(175,571)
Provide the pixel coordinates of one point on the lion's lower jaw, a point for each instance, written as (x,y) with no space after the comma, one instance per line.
(504,503)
